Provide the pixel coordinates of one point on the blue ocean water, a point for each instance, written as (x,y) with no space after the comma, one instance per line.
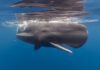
(17,55)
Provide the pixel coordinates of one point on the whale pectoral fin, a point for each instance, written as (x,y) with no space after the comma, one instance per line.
(61,47)
(37,45)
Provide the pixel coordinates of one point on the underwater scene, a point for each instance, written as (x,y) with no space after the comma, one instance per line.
(50,35)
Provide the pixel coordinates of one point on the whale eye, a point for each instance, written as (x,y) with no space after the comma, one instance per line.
(44,31)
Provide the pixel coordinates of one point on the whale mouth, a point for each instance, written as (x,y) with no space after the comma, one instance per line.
(24,35)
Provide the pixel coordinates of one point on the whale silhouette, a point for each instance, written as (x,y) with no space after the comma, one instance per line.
(51,28)
(52,34)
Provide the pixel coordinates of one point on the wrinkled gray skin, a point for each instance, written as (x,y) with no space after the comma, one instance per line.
(74,35)
(49,34)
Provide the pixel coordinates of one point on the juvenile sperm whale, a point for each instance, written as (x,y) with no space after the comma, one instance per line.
(52,34)
(51,28)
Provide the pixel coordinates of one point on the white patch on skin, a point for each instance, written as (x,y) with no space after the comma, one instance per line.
(61,47)
(67,20)
(22,26)
(56,20)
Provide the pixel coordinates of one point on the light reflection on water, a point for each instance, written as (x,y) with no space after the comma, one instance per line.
(9,13)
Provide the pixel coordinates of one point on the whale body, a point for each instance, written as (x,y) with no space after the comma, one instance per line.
(53,34)
(51,28)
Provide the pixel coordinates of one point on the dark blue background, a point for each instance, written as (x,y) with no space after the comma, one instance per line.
(17,55)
